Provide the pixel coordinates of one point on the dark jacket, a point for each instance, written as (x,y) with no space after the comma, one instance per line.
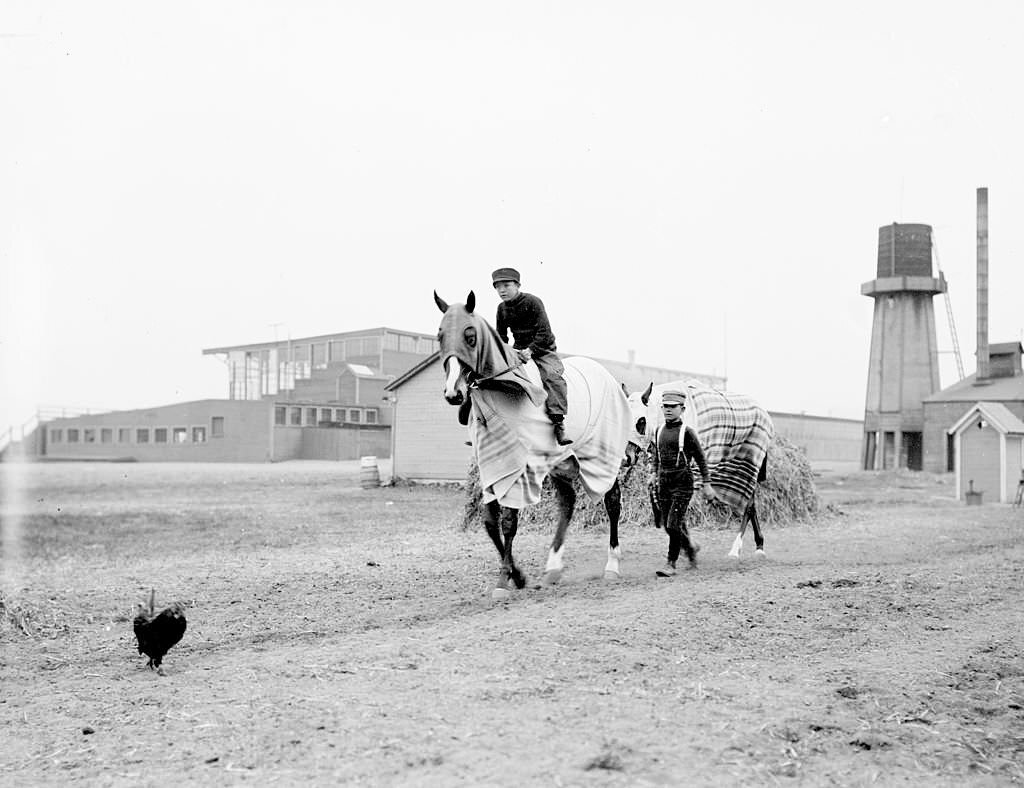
(527,319)
(686,450)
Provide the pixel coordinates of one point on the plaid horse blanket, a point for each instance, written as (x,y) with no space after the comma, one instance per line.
(514,443)
(734,433)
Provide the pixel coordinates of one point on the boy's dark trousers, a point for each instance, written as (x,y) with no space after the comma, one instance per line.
(675,489)
(552,377)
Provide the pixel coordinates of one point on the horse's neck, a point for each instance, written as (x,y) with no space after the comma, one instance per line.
(494,354)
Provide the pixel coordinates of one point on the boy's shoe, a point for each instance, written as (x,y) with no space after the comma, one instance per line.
(668,570)
(560,435)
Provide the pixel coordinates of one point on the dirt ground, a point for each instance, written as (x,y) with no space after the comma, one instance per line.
(342,635)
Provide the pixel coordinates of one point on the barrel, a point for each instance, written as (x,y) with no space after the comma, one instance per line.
(369,474)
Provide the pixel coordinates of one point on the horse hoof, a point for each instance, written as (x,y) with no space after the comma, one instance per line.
(552,576)
(759,553)
(611,575)
(500,594)
(734,555)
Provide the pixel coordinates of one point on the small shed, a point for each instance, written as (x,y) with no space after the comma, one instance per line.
(988,451)
(427,441)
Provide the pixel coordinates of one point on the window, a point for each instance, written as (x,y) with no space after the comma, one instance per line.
(311,417)
(297,417)
(353,416)
(325,414)
(142,435)
(339,415)
(199,434)
(371,417)
(72,435)
(391,341)
(217,427)
(89,435)
(56,436)
(160,435)
(179,435)
(280,414)
(124,435)
(407,344)
(319,355)
(106,435)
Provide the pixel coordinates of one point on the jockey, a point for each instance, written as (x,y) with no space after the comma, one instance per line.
(525,316)
(674,446)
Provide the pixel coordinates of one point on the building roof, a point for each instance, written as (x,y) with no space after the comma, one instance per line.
(1009,389)
(1005,348)
(413,371)
(363,332)
(997,414)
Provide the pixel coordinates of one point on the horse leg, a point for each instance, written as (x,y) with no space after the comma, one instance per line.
(492,522)
(492,516)
(613,505)
(737,543)
(565,496)
(751,514)
(509,570)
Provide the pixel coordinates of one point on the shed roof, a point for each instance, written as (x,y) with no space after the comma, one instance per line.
(413,371)
(1005,348)
(997,414)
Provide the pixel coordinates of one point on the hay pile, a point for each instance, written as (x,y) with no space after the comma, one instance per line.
(787,496)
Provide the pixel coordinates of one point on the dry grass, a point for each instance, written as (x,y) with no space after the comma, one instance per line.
(788,496)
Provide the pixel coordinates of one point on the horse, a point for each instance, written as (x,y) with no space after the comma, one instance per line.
(501,400)
(734,432)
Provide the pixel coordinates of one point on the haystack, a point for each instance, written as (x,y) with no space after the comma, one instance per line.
(787,496)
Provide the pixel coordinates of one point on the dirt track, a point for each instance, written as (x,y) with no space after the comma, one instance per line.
(339,634)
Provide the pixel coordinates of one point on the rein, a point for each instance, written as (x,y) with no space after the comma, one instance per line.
(477,381)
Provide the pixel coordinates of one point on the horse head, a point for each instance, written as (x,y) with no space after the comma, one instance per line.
(642,423)
(458,337)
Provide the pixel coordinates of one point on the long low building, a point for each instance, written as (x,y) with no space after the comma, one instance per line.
(215,430)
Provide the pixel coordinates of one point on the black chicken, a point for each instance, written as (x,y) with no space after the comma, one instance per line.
(158,633)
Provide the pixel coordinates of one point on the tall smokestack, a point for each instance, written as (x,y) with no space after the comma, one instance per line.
(983,364)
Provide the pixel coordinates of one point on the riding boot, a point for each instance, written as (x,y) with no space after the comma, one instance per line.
(560,434)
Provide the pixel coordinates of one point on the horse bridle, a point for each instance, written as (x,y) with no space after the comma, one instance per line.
(476,381)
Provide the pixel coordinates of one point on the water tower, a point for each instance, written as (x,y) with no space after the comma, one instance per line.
(903,367)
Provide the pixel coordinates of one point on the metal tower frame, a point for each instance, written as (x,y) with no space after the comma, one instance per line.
(949,311)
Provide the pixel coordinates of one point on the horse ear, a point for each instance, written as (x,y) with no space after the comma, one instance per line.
(441,303)
(470,301)
(646,396)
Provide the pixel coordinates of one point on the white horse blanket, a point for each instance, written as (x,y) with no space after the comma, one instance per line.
(514,443)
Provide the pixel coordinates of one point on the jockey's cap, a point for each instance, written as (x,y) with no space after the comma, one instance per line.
(673,398)
(505,275)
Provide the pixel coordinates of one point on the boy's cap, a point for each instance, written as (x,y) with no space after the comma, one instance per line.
(505,275)
(673,398)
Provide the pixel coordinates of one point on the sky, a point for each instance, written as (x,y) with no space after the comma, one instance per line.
(699,184)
